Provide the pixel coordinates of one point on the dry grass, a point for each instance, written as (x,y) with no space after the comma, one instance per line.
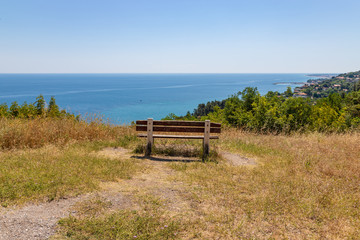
(149,222)
(47,159)
(305,186)
(34,133)
(51,173)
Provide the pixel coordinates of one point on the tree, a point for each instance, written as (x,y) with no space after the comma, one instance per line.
(40,105)
(356,86)
(232,106)
(248,97)
(53,109)
(288,93)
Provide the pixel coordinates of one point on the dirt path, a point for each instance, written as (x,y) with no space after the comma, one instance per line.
(39,221)
(237,160)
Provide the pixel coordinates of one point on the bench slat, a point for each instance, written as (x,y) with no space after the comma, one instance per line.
(178,136)
(177,123)
(178,129)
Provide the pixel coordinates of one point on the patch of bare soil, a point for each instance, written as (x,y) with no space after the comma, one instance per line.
(237,160)
(114,152)
(155,181)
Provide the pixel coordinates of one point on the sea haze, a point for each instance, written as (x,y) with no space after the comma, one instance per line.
(123,98)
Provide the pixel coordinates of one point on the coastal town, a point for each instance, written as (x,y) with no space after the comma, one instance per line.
(323,87)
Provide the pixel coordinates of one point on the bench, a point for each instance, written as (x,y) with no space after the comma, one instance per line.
(150,126)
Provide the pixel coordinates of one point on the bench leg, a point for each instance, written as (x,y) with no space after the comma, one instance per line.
(148,149)
(206,140)
(150,138)
(205,151)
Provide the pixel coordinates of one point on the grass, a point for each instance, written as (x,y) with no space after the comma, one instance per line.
(35,133)
(304,186)
(51,173)
(92,207)
(48,159)
(150,222)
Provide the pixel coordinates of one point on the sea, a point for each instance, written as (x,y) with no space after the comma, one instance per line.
(123,98)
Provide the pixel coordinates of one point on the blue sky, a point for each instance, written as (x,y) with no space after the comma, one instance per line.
(180,36)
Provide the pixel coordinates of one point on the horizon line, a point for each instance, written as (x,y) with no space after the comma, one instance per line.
(172,73)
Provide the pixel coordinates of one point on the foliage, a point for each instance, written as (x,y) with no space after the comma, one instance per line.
(282,113)
(35,110)
(205,109)
(326,105)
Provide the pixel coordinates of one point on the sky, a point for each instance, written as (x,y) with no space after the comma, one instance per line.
(179,36)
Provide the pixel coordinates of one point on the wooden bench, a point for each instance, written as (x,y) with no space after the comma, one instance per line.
(150,126)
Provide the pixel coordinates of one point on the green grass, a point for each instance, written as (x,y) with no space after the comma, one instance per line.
(51,172)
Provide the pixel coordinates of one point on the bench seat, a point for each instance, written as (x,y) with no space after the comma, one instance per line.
(177,136)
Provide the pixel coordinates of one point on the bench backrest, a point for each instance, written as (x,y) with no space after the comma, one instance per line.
(177,126)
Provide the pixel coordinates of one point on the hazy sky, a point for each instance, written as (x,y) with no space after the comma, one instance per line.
(181,36)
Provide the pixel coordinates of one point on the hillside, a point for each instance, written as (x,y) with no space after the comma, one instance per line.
(320,88)
(69,179)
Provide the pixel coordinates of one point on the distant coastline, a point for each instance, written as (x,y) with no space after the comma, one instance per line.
(289,83)
(327,75)
(317,75)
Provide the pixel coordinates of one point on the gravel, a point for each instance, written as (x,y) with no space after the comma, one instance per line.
(34,221)
(39,221)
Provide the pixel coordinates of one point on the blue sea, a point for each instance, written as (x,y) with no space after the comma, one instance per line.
(123,98)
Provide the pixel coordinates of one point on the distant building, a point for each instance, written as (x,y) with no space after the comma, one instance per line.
(300,94)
